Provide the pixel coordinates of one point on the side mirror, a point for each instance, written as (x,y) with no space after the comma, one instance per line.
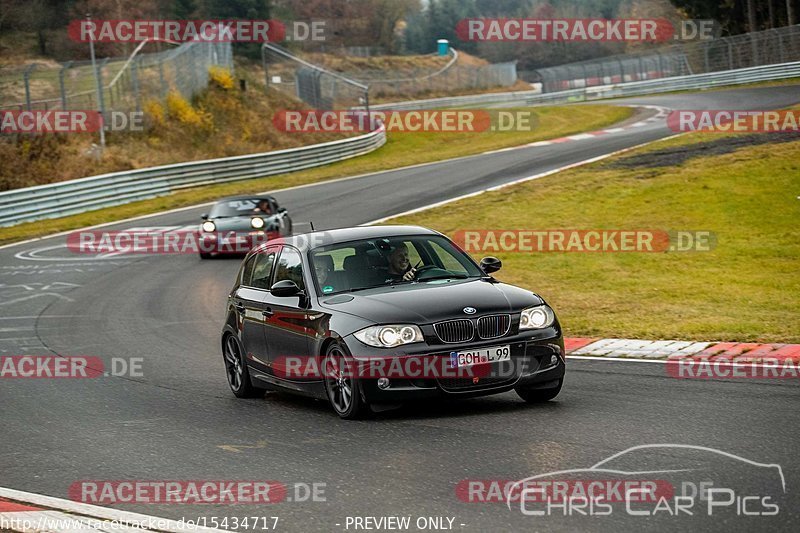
(491,264)
(285,288)
(204,216)
(281,210)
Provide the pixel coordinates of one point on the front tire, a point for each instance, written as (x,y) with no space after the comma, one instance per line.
(204,255)
(236,370)
(343,390)
(531,395)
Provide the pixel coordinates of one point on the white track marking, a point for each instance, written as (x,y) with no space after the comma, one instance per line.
(83,511)
(515,182)
(273,191)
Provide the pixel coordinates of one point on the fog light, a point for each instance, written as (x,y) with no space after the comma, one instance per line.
(553,359)
(383,383)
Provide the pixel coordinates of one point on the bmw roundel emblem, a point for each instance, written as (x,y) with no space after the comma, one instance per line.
(470,310)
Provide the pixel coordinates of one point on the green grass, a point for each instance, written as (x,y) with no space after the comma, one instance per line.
(402,149)
(746,289)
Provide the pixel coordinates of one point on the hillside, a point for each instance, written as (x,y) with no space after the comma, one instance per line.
(222,121)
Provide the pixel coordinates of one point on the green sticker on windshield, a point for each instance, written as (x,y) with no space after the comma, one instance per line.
(327,288)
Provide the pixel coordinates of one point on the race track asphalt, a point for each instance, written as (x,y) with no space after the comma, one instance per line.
(179,421)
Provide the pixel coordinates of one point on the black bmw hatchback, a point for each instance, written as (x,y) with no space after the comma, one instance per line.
(376,316)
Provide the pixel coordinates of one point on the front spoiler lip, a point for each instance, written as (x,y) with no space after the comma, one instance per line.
(410,393)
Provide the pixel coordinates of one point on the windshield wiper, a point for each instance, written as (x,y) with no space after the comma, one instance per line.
(356,289)
(446,276)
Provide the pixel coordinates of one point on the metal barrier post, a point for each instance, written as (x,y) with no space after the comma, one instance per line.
(26,76)
(61,84)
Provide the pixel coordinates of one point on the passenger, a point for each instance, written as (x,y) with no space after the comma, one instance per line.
(328,280)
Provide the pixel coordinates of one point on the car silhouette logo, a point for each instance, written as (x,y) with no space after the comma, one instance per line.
(470,310)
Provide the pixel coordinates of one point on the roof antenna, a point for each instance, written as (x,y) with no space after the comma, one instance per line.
(312,224)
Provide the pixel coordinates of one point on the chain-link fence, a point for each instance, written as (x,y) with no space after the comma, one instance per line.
(324,89)
(314,85)
(450,78)
(780,45)
(126,82)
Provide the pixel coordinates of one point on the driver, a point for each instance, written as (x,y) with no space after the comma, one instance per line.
(262,208)
(400,268)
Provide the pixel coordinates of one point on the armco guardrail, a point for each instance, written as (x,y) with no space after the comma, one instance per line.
(60,199)
(636,88)
(106,190)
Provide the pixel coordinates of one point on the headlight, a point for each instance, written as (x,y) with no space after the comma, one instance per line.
(537,317)
(257,223)
(389,336)
(209,227)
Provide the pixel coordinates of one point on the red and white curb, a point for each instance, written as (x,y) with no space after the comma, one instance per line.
(27,512)
(664,350)
(660,115)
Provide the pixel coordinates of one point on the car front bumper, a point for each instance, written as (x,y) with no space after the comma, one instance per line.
(536,361)
(233,243)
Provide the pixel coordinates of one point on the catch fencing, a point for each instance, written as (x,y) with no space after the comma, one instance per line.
(126,82)
(748,50)
(322,88)
(315,85)
(678,83)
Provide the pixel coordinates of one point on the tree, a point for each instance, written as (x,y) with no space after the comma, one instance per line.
(386,14)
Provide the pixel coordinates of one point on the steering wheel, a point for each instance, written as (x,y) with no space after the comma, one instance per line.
(429,268)
(423,268)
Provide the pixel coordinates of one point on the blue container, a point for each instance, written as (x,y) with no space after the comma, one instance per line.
(443,46)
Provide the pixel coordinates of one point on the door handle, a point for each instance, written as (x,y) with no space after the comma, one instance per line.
(268,312)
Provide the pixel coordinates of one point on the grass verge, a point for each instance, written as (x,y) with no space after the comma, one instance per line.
(402,149)
(746,289)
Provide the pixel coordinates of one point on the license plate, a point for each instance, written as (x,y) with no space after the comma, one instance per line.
(480,356)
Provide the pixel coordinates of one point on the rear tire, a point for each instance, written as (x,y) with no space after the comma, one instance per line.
(342,389)
(532,395)
(236,370)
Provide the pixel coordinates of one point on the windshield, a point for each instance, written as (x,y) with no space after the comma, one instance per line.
(364,264)
(241,207)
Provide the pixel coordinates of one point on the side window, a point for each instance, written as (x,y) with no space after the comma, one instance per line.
(290,266)
(413,253)
(448,261)
(257,271)
(247,272)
